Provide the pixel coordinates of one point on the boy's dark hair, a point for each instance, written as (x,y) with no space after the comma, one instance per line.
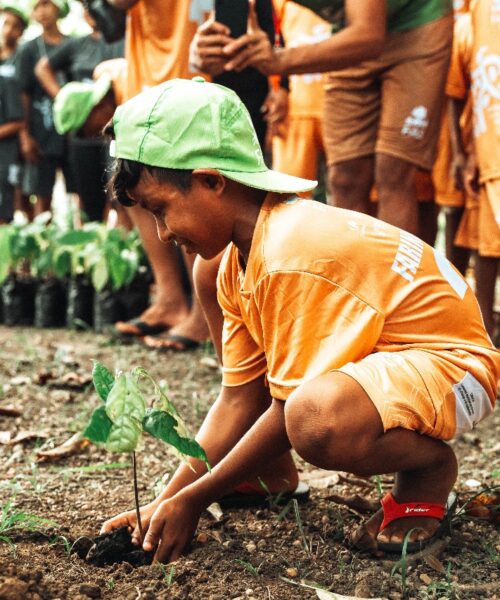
(126,175)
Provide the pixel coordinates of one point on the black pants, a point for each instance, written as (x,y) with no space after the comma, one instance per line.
(89,161)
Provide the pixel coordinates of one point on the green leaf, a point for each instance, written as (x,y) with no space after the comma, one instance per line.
(125,399)
(103,380)
(119,271)
(62,263)
(163,426)
(5,253)
(124,434)
(100,274)
(78,237)
(98,429)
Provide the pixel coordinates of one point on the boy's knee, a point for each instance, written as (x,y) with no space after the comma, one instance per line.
(322,430)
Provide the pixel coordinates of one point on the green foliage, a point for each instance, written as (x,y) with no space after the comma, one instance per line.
(120,422)
(13,522)
(109,257)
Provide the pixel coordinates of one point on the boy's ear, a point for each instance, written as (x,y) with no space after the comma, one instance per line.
(210,178)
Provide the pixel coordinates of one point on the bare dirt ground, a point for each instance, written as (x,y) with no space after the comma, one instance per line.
(259,554)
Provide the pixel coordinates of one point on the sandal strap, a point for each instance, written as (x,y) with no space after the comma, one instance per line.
(394,510)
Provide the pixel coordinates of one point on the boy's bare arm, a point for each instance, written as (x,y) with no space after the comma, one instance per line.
(8,130)
(174,521)
(47,78)
(458,152)
(231,416)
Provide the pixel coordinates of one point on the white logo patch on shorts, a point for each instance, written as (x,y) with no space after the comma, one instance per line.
(416,123)
(472,403)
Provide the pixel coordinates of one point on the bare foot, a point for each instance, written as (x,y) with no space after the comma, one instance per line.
(184,336)
(157,315)
(432,486)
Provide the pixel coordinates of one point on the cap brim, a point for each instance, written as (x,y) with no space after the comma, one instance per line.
(100,88)
(271,181)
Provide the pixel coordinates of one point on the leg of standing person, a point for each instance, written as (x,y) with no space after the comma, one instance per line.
(487,259)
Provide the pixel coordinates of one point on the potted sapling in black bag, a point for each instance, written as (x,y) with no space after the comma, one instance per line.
(70,254)
(114,265)
(19,249)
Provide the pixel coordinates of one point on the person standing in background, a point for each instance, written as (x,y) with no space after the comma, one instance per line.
(42,148)
(481,173)
(13,22)
(298,146)
(157,49)
(77,58)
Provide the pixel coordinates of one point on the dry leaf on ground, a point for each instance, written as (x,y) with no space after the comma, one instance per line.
(10,411)
(74,445)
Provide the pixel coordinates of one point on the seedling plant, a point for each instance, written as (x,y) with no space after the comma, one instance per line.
(128,410)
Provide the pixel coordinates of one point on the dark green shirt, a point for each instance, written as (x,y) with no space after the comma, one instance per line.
(402,15)
(41,123)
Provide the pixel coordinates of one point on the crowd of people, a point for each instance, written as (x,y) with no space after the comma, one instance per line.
(400,107)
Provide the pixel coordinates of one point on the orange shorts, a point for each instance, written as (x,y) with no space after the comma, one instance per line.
(436,394)
(298,152)
(479,227)
(391,104)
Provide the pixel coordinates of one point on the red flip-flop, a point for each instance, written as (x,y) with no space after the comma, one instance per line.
(395,510)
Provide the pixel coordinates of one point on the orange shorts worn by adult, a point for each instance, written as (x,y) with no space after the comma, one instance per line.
(391,104)
(327,289)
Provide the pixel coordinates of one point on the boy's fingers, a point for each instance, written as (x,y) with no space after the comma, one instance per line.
(153,535)
(115,523)
(253,21)
(217,40)
(237,45)
(211,26)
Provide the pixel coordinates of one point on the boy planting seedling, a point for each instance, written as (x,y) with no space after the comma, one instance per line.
(345,338)
(119,423)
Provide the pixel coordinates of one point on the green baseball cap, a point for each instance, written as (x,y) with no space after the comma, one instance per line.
(193,124)
(16,8)
(75,101)
(62,5)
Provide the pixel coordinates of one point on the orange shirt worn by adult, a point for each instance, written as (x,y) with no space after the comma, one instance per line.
(476,64)
(326,289)
(446,192)
(297,150)
(157,42)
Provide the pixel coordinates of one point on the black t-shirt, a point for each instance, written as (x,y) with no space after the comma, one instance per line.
(10,110)
(41,123)
(8,66)
(78,57)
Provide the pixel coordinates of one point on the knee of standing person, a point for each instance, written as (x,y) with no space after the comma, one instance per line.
(393,173)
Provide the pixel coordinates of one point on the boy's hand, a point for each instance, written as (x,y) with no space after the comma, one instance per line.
(172,527)
(206,49)
(129,519)
(275,109)
(29,148)
(471,176)
(252,49)
(457,170)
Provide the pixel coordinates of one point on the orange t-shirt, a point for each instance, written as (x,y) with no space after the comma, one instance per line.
(116,70)
(157,41)
(325,286)
(457,86)
(300,26)
(484,75)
